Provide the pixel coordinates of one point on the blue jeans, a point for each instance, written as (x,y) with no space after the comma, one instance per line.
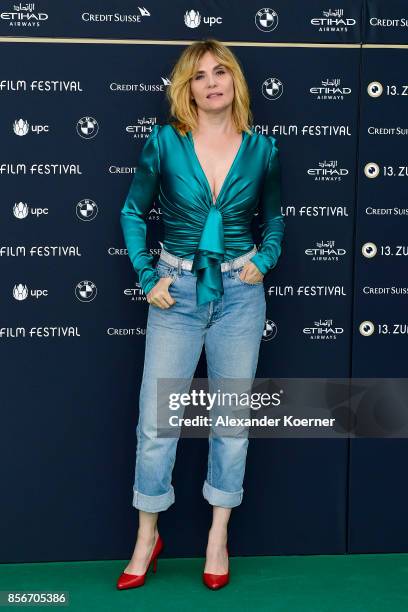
(231,329)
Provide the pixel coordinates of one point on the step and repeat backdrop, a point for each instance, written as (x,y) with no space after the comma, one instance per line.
(81,86)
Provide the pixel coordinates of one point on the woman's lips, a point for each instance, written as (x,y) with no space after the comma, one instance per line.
(214,95)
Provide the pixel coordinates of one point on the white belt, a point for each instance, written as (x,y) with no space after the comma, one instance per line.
(187,264)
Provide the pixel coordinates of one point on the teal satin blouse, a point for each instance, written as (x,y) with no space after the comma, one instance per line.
(195,227)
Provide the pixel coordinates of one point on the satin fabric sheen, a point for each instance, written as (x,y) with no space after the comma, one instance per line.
(195,227)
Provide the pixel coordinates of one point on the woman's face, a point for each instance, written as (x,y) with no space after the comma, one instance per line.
(212,85)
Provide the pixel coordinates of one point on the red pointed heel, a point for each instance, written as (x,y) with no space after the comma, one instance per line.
(130,581)
(216,581)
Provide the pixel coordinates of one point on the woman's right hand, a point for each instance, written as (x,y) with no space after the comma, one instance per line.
(159,294)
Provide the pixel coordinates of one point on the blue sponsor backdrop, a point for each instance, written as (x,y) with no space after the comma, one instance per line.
(80,88)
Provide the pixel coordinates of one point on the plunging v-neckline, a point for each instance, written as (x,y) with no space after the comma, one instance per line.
(191,140)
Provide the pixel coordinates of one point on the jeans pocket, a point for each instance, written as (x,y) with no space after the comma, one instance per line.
(165,270)
(243,282)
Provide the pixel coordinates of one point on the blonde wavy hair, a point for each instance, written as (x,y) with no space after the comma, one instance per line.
(183,110)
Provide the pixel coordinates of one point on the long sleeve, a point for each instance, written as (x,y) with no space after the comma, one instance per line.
(272,224)
(142,192)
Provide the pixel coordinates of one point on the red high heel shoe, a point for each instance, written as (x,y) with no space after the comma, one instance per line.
(216,581)
(129,581)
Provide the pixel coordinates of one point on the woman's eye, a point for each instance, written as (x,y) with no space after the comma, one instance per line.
(199,76)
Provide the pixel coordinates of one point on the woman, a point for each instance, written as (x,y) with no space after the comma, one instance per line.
(210,173)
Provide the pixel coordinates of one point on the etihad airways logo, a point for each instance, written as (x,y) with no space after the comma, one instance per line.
(325,251)
(142,128)
(330,89)
(24,16)
(333,20)
(323,330)
(328,171)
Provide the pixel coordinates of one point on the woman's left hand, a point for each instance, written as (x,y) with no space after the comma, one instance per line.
(250,273)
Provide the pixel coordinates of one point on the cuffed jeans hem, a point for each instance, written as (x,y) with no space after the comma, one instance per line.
(153,503)
(225,499)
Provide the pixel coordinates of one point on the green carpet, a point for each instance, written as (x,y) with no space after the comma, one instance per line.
(320,583)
